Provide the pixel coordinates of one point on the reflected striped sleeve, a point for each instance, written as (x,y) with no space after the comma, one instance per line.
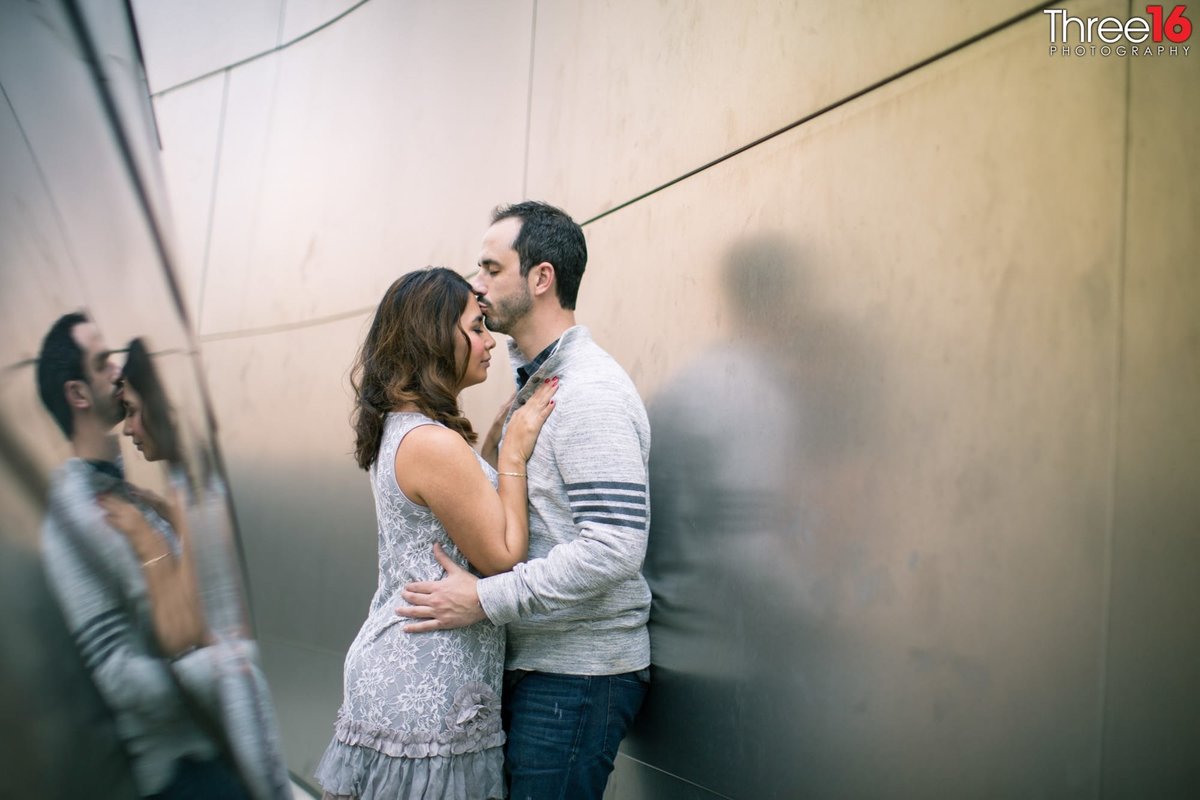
(102,635)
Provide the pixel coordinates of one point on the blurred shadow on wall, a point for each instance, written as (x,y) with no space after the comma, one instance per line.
(754,474)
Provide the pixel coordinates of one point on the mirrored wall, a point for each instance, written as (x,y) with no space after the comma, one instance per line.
(129,664)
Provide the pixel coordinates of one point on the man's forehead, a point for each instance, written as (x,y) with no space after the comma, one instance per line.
(503,233)
(87,336)
(496,250)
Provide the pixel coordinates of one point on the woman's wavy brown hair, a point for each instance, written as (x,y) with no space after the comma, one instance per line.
(409,357)
(157,418)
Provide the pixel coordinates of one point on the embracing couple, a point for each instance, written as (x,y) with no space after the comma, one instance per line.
(554,511)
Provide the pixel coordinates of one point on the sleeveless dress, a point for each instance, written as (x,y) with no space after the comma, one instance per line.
(420,715)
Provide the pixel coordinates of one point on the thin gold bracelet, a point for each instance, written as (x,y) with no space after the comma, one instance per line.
(156,559)
(514,474)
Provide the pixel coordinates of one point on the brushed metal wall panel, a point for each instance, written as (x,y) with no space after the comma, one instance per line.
(189,125)
(303,16)
(897,360)
(304,508)
(628,95)
(111,31)
(235,196)
(305,512)
(306,683)
(1150,726)
(81,207)
(373,147)
(95,218)
(36,270)
(880,373)
(184,39)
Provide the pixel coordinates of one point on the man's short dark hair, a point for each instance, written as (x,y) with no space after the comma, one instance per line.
(549,234)
(60,360)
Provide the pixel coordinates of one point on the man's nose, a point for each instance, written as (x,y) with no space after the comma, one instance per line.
(477,286)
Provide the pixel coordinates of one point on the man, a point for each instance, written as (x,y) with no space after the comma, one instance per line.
(578,648)
(100,585)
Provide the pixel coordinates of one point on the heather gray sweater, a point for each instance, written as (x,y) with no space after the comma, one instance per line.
(579,605)
(161,707)
(98,582)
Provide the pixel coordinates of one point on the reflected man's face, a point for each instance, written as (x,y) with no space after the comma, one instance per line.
(503,292)
(100,372)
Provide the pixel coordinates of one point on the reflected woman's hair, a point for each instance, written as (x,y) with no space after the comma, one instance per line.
(148,416)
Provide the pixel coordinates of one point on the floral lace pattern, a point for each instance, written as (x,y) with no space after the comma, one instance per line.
(425,694)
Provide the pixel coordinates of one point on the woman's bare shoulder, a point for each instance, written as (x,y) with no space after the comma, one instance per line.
(435,443)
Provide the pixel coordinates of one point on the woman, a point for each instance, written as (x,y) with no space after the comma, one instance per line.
(167,564)
(215,665)
(183,620)
(421,712)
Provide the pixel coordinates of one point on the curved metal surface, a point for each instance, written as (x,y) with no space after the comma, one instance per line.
(919,369)
(85,669)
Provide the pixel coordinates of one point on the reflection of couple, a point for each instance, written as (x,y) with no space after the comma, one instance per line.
(119,562)
(421,716)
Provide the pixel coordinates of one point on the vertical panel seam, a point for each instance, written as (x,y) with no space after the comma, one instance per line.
(280,26)
(1115,443)
(529,102)
(212,204)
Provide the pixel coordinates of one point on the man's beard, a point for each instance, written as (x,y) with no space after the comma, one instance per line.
(111,410)
(503,315)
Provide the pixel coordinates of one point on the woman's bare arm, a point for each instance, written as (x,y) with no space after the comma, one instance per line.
(436,468)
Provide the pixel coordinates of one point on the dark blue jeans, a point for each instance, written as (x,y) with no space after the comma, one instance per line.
(564,730)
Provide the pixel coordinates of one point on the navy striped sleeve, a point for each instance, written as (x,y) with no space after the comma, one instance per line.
(101,635)
(608,503)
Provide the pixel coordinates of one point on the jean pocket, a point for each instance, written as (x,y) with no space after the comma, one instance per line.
(640,677)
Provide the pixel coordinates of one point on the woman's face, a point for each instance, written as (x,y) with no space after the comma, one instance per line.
(478,355)
(134,427)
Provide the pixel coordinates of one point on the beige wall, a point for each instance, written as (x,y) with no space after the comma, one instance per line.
(919,366)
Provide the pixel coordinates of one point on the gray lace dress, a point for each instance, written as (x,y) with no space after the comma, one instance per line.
(420,715)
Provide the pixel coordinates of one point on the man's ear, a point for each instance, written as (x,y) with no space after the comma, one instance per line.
(79,395)
(543,278)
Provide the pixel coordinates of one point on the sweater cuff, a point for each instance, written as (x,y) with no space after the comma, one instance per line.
(495,596)
(196,670)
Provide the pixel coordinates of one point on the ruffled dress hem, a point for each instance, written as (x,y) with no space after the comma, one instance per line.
(355,770)
(462,761)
